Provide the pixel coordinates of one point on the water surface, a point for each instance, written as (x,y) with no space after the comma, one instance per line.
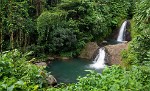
(69,70)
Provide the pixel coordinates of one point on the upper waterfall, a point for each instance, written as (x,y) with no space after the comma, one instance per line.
(121,35)
(99,61)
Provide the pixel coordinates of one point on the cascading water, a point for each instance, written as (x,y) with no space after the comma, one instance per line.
(99,61)
(121,36)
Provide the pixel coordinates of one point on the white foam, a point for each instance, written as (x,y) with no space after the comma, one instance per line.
(99,61)
(121,32)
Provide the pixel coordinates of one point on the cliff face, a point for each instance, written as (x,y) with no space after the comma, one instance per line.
(114,52)
(89,50)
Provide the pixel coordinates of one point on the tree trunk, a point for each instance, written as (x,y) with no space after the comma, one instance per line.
(1,30)
(17,39)
(38,7)
(10,29)
(47,33)
(20,38)
(25,41)
(12,40)
(1,39)
(0,26)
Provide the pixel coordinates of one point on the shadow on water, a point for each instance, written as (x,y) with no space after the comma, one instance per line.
(68,71)
(113,42)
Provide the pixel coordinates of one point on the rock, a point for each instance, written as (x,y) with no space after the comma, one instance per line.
(50,58)
(65,58)
(114,52)
(104,42)
(107,58)
(128,36)
(89,50)
(41,64)
(61,58)
(51,80)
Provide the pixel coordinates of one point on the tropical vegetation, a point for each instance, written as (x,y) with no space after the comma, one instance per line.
(63,27)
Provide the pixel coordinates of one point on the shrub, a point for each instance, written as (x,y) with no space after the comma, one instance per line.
(114,78)
(16,73)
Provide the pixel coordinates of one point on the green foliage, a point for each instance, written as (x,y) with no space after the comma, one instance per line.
(64,29)
(115,9)
(112,79)
(55,33)
(139,47)
(17,74)
(17,26)
(71,24)
(62,32)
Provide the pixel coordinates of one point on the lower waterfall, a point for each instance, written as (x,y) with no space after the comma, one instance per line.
(99,61)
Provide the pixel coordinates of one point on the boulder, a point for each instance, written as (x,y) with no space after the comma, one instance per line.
(51,80)
(50,58)
(61,57)
(114,52)
(41,64)
(65,58)
(89,50)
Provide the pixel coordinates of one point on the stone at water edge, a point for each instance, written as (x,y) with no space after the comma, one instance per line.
(50,58)
(65,58)
(61,57)
(89,50)
(51,80)
(41,64)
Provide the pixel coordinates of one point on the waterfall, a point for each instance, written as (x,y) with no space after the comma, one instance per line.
(99,61)
(121,36)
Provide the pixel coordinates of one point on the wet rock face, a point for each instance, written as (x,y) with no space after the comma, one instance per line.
(128,34)
(107,58)
(89,50)
(114,52)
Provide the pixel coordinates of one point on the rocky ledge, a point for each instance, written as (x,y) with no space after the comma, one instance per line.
(89,50)
(114,52)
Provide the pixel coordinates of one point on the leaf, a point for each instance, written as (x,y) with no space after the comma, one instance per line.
(19,82)
(4,85)
(10,88)
(28,53)
(35,87)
